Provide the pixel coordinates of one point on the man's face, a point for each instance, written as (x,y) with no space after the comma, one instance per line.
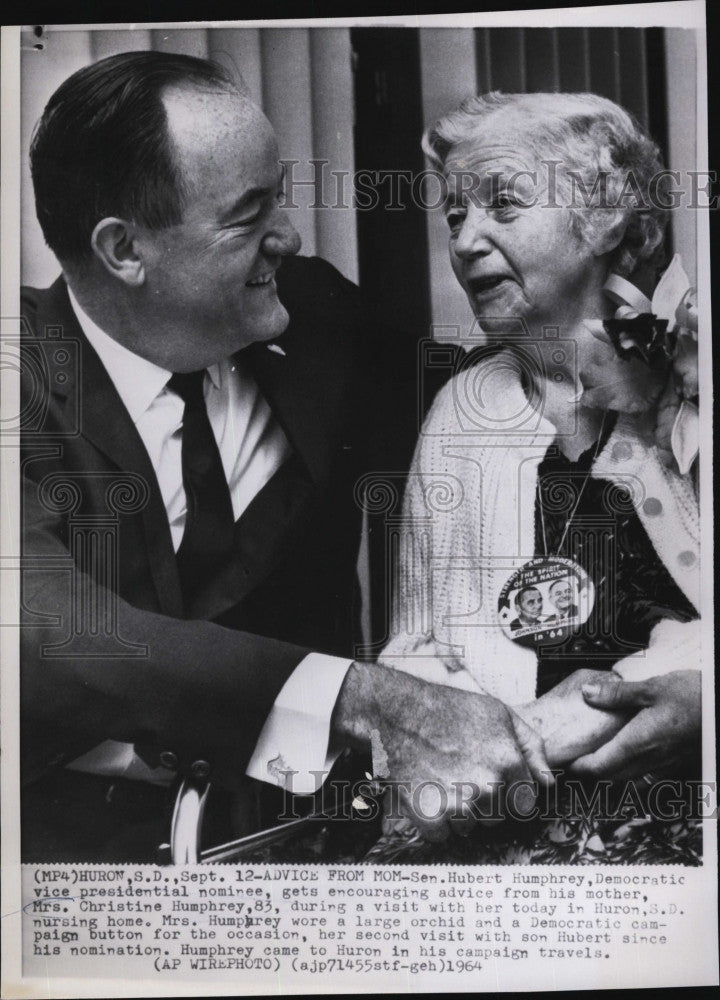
(210,279)
(530,605)
(561,594)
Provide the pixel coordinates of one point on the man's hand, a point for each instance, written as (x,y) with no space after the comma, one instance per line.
(666,724)
(569,726)
(456,753)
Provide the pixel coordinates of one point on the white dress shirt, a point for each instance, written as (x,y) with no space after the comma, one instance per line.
(252,448)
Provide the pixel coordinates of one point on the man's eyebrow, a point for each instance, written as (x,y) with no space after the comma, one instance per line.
(252,194)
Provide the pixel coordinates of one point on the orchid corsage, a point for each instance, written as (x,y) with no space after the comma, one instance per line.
(657,339)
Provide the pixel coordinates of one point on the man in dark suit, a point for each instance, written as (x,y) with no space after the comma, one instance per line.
(563,597)
(190,466)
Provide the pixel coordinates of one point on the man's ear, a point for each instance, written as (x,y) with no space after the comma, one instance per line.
(113,244)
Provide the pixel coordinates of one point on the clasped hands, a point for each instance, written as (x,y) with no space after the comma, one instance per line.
(453,757)
(595,723)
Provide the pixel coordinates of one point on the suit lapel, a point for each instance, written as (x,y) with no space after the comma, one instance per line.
(105,422)
(300,394)
(263,535)
(305,387)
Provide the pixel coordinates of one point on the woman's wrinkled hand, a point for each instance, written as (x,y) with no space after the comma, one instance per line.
(611,382)
(569,726)
(628,385)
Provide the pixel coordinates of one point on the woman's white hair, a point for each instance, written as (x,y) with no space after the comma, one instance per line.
(593,138)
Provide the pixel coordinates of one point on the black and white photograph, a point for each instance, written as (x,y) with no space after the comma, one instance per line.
(357,547)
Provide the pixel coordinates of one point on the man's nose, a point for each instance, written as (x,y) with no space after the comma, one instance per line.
(473,240)
(283,239)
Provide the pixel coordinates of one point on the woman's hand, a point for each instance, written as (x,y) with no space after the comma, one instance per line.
(610,382)
(570,727)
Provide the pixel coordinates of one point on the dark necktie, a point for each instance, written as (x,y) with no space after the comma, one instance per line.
(209,524)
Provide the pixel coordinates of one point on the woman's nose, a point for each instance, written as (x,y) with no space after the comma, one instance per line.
(473,239)
(283,239)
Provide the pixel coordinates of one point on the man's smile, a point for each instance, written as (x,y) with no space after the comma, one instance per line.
(261,279)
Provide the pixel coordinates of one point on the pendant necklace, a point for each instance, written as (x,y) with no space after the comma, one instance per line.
(549,597)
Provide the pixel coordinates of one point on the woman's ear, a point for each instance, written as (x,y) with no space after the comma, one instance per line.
(609,237)
(113,243)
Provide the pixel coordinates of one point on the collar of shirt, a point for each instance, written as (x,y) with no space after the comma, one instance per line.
(138,381)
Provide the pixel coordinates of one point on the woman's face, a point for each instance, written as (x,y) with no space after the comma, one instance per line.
(513,258)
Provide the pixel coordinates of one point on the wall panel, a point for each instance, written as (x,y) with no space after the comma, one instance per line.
(682,143)
(508,60)
(287,101)
(605,62)
(333,119)
(633,72)
(574,59)
(441,48)
(110,43)
(40,74)
(541,59)
(238,51)
(188,41)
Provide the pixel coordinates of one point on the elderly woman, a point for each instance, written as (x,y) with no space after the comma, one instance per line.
(539,462)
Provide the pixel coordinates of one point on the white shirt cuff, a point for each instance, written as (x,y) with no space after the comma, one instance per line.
(673,646)
(293,749)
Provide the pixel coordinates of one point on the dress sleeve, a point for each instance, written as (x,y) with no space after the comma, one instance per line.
(421,590)
(673,646)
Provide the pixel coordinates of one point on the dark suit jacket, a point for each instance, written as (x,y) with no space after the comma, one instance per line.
(108,649)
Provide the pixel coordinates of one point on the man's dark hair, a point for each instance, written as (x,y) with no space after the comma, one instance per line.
(525,590)
(102,147)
